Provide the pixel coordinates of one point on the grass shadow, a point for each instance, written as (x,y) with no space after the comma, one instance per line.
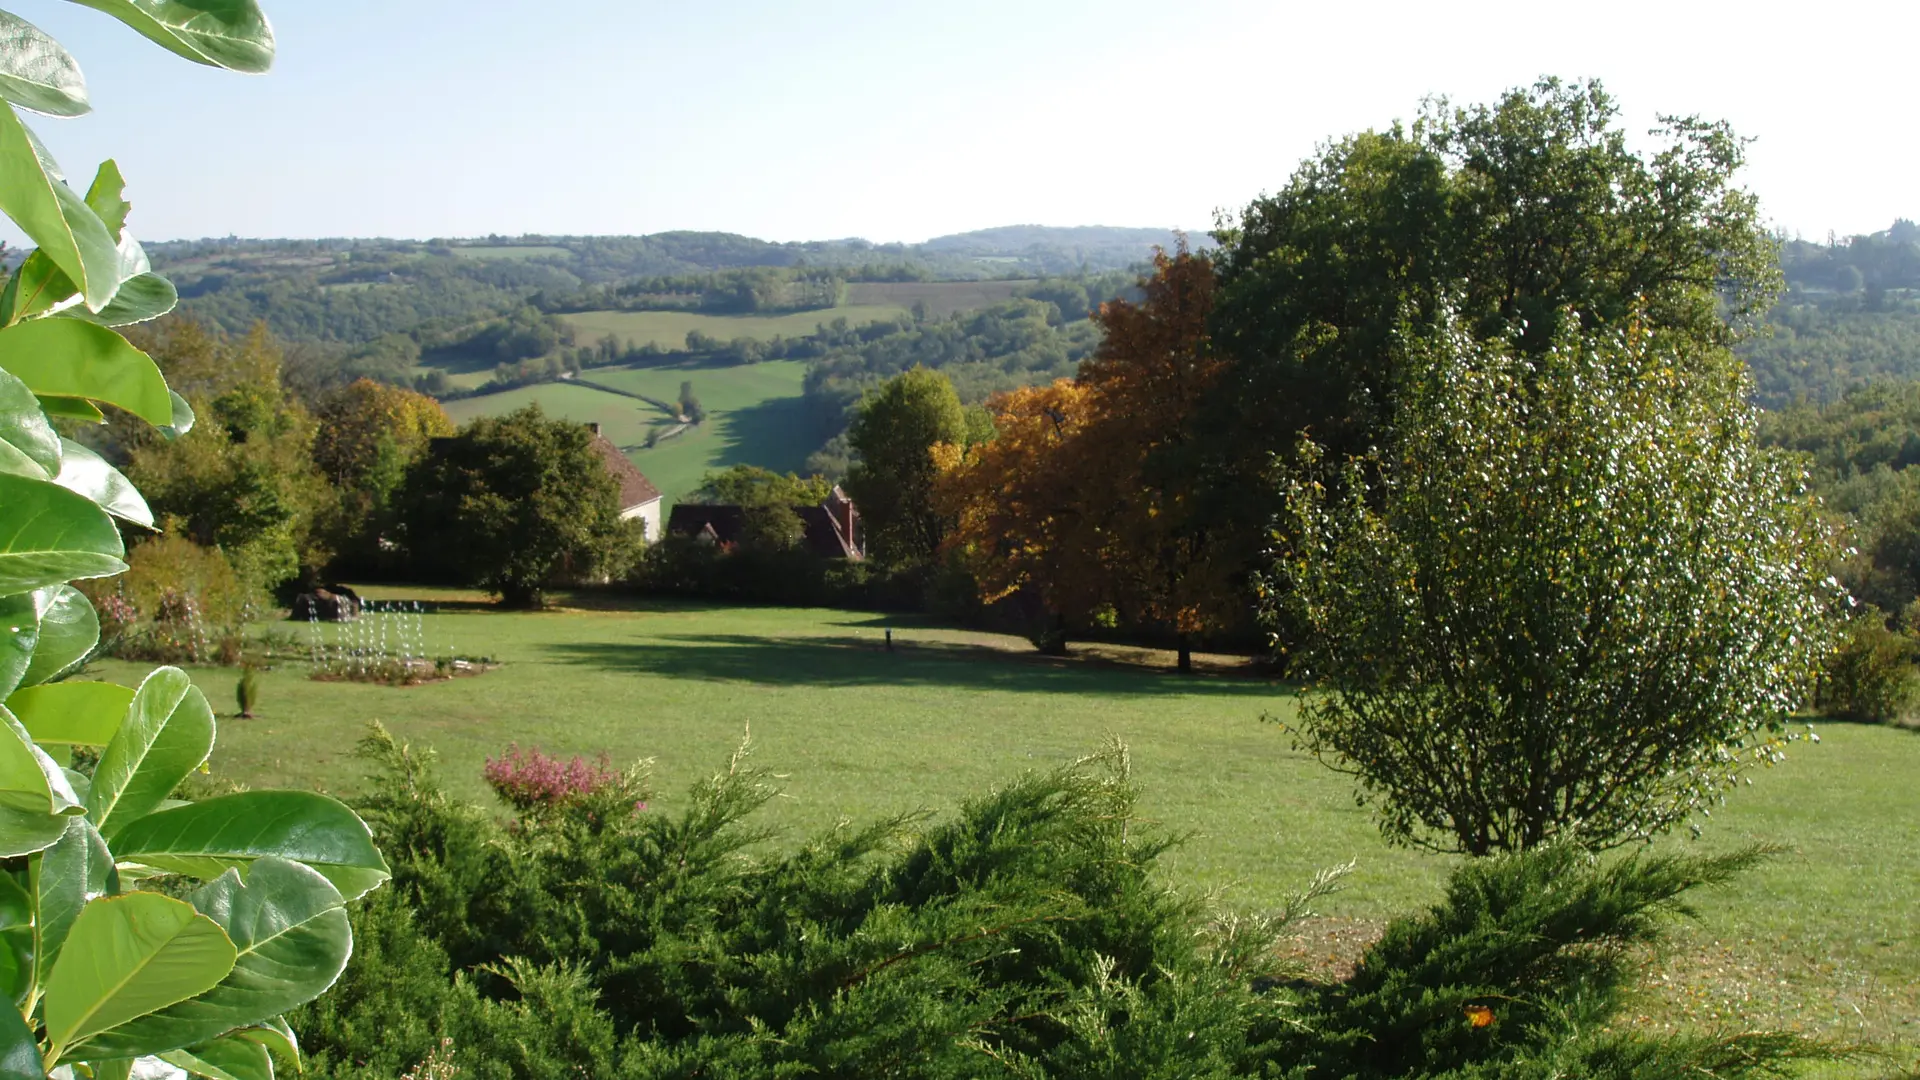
(830,662)
(775,434)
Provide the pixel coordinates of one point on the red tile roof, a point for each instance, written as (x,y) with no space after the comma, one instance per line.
(635,488)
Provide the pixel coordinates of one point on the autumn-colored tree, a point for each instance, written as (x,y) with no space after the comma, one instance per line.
(1146,379)
(1080,501)
(1019,519)
(368,428)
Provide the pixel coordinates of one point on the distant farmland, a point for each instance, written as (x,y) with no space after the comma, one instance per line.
(942,298)
(755,416)
(668,329)
(508,251)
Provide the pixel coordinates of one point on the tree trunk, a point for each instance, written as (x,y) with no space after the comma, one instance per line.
(1186,655)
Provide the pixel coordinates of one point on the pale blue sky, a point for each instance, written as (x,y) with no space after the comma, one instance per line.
(900,121)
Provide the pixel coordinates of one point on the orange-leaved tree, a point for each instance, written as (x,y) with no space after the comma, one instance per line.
(1082,501)
(1145,382)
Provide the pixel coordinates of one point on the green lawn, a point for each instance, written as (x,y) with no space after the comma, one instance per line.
(1823,937)
(754,416)
(668,329)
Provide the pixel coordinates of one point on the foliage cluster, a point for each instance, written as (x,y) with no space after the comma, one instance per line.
(1025,936)
(1573,600)
(98,967)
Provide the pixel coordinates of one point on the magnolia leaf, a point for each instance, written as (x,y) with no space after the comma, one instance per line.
(289,927)
(69,630)
(35,195)
(36,73)
(182,421)
(19,1052)
(71,713)
(142,297)
(37,288)
(107,197)
(29,446)
(76,869)
(167,733)
(70,358)
(30,781)
(16,940)
(72,408)
(229,1058)
(232,34)
(128,956)
(205,838)
(276,1035)
(50,535)
(86,473)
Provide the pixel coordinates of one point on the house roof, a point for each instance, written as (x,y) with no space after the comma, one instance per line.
(635,488)
(825,533)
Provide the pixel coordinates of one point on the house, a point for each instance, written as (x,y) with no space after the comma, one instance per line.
(638,497)
(831,528)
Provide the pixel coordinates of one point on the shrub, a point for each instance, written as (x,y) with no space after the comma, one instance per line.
(530,780)
(1871,676)
(178,602)
(1028,935)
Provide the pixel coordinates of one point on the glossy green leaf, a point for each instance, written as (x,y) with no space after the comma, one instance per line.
(72,408)
(229,1058)
(31,781)
(168,732)
(86,473)
(75,869)
(69,630)
(19,638)
(16,940)
(29,446)
(50,535)
(71,713)
(19,1052)
(205,838)
(36,288)
(112,1069)
(231,34)
(276,1035)
(70,358)
(36,73)
(289,926)
(183,418)
(140,298)
(107,196)
(127,956)
(53,215)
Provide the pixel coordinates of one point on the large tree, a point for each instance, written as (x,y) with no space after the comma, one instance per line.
(514,502)
(892,483)
(1573,600)
(1510,215)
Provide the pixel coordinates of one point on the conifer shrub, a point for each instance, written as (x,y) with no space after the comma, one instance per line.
(1026,935)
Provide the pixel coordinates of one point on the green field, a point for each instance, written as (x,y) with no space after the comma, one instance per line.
(1822,938)
(669,329)
(754,416)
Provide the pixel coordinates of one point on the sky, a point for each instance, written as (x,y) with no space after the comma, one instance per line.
(903,120)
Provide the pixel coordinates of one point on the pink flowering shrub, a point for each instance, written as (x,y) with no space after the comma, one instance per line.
(530,780)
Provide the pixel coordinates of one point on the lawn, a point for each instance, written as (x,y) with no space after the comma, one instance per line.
(1822,937)
(754,416)
(668,329)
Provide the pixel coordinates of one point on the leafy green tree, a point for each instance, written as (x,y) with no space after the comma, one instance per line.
(97,971)
(1574,600)
(769,499)
(1508,214)
(892,482)
(514,502)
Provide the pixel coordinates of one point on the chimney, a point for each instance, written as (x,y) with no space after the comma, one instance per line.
(846,520)
(594,427)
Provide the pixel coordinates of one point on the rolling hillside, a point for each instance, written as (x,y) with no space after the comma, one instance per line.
(755,416)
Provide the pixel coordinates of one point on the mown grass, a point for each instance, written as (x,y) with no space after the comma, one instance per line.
(754,416)
(1822,937)
(669,329)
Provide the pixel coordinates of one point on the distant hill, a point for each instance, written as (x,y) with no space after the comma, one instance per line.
(1053,250)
